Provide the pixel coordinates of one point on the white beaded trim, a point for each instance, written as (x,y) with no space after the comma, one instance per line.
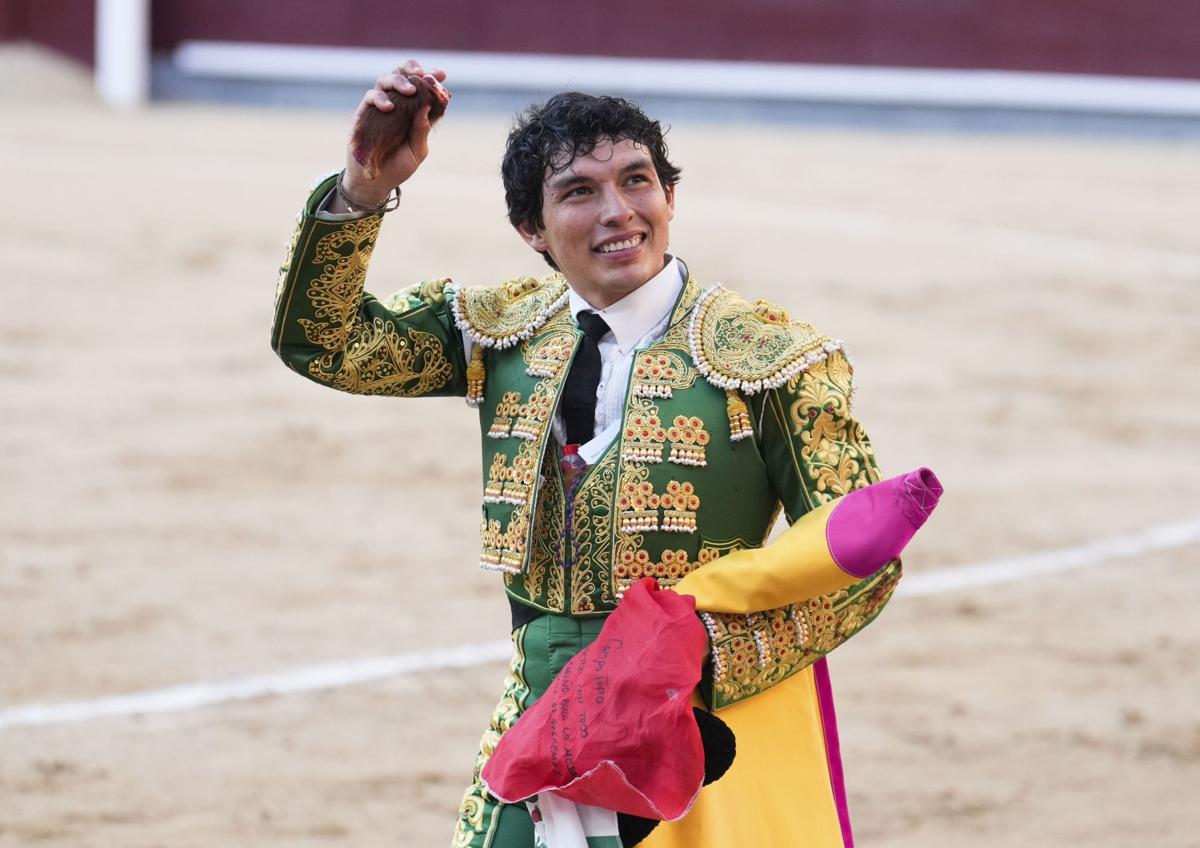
(491,566)
(761,645)
(482,340)
(801,629)
(750,387)
(717,663)
(652,390)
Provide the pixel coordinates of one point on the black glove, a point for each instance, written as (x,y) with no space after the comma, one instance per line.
(719,750)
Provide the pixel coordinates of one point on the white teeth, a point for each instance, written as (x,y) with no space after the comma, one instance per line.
(620,245)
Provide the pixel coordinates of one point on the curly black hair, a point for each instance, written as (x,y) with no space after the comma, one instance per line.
(547,138)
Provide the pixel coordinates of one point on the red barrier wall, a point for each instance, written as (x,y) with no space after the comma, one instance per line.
(66,25)
(1144,38)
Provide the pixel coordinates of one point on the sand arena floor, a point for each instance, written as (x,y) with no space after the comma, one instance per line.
(176,506)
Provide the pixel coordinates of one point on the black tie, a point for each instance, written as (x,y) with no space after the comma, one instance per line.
(579,394)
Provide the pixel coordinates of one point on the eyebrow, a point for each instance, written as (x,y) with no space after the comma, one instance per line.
(566,181)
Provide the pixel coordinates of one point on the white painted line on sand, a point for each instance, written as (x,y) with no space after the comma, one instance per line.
(190,696)
(1162,537)
(335,675)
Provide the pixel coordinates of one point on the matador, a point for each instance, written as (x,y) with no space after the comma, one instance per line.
(634,421)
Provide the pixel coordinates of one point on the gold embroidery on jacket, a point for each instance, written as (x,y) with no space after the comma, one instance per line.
(378,360)
(592,539)
(544,581)
(506,411)
(502,316)
(286,266)
(688,440)
(637,504)
(657,373)
(515,484)
(533,416)
(644,435)
(670,569)
(334,295)
(751,653)
(679,504)
(836,455)
(549,354)
(750,346)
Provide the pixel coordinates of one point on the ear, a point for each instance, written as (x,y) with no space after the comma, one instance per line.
(669,191)
(532,236)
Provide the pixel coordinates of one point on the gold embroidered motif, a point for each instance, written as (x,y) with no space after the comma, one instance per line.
(638,506)
(834,449)
(506,410)
(476,377)
(679,504)
(504,550)
(592,537)
(515,484)
(739,416)
(752,347)
(504,315)
(656,374)
(512,555)
(751,653)
(476,802)
(548,355)
(491,539)
(509,485)
(688,439)
(286,266)
(669,570)
(334,295)
(380,361)
(543,582)
(644,435)
(534,414)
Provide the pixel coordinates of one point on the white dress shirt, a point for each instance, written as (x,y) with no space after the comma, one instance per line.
(635,322)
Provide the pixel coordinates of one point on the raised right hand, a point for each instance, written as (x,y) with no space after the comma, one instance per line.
(404,163)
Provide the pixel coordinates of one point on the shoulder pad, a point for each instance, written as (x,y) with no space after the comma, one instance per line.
(736,344)
(500,316)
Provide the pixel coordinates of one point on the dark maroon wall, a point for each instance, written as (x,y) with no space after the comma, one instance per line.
(65,25)
(12,20)
(1144,37)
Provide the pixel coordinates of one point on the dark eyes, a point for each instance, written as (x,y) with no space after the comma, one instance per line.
(583,191)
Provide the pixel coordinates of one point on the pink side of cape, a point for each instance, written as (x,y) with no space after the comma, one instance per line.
(833,751)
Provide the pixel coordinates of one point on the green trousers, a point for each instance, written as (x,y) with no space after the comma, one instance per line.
(540,650)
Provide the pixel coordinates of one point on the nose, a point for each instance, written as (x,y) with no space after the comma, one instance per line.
(616,209)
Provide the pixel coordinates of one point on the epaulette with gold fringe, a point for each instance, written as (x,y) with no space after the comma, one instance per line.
(502,316)
(750,347)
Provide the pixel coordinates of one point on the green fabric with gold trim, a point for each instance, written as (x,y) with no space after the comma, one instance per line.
(736,413)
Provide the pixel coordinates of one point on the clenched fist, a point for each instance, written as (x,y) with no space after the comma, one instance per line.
(390,138)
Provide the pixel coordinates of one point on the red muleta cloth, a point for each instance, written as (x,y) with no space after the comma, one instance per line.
(615,729)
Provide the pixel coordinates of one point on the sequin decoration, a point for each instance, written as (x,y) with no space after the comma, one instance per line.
(506,410)
(679,504)
(638,507)
(644,437)
(688,439)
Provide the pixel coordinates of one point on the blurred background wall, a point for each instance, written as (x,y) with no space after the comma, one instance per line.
(1155,38)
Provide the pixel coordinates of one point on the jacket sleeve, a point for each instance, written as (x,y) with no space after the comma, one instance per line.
(772,611)
(330,330)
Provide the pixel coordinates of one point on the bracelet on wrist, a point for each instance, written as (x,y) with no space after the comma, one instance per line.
(383,207)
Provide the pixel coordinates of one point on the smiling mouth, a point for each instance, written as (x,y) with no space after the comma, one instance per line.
(617,246)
